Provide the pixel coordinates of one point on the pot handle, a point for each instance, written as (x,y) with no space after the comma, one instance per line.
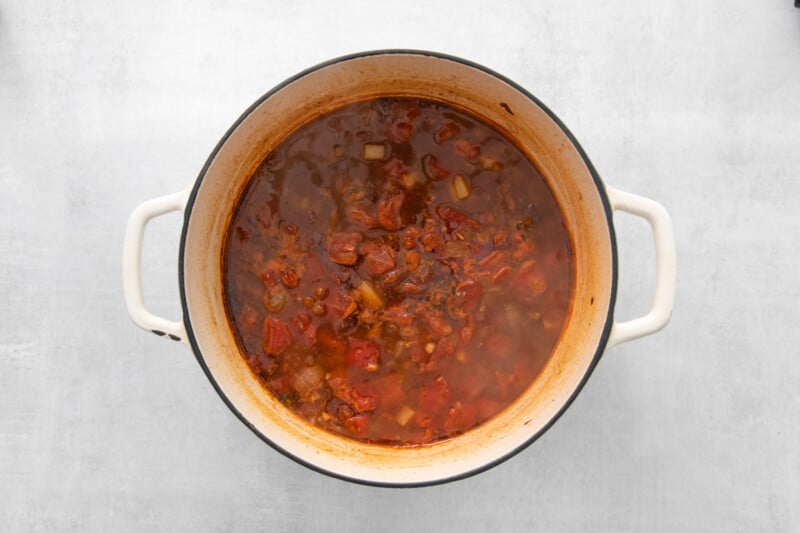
(132,265)
(664,298)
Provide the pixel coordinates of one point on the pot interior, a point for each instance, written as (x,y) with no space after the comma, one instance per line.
(496,102)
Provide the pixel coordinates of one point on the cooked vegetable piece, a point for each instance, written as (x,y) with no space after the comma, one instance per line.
(363,354)
(307,380)
(371,298)
(374,151)
(461,187)
(389,211)
(276,336)
(404,415)
(379,258)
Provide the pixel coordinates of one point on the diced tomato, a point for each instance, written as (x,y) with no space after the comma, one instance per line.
(340,387)
(261,364)
(379,258)
(389,211)
(305,327)
(357,424)
(277,336)
(362,397)
(280,386)
(341,304)
(363,354)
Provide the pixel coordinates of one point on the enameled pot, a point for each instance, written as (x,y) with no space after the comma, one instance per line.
(587,205)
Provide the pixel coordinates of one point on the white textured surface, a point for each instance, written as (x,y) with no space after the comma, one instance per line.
(104,427)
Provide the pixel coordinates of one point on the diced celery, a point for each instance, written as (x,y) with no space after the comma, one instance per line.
(461,187)
(374,151)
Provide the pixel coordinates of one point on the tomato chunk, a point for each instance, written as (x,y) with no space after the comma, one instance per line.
(277,336)
(363,354)
(379,258)
(389,211)
(362,398)
(357,423)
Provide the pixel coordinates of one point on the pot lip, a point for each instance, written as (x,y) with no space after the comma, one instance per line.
(614,270)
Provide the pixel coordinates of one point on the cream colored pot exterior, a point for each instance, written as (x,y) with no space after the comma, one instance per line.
(586,204)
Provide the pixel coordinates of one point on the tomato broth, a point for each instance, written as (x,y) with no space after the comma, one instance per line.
(397,271)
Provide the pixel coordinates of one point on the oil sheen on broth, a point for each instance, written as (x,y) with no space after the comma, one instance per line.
(397,272)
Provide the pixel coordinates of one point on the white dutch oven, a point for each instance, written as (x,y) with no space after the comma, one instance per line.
(587,205)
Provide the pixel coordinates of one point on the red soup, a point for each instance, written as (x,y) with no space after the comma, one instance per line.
(397,272)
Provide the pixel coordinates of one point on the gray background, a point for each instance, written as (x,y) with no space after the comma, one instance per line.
(695,104)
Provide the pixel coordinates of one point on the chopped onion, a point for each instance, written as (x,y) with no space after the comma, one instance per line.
(404,415)
(307,379)
(374,151)
(275,299)
(371,298)
(488,162)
